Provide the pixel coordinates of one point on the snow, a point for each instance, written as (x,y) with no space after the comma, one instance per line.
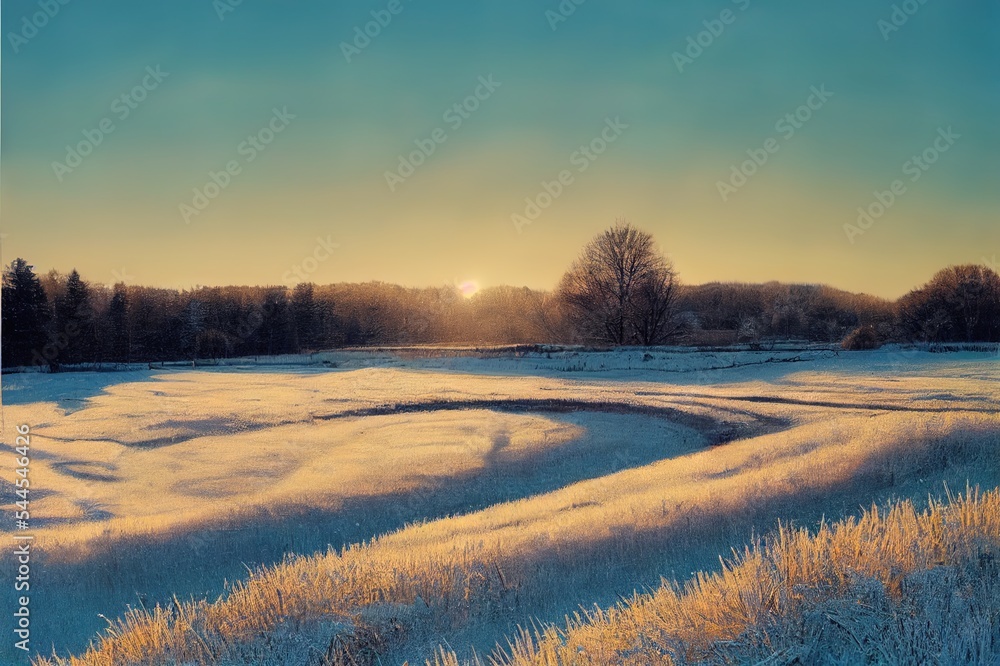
(246,461)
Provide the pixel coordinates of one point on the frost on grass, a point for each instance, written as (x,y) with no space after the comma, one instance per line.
(445,502)
(894,586)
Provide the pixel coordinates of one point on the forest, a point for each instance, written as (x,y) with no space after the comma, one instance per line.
(621,291)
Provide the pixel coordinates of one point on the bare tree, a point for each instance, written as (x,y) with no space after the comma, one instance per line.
(621,289)
(654,320)
(959,304)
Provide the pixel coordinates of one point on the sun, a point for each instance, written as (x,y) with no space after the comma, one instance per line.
(468,288)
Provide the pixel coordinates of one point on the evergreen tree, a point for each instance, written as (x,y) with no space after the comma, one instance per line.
(305,317)
(25,316)
(275,330)
(120,340)
(75,334)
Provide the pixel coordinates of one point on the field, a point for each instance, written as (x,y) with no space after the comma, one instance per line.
(393,506)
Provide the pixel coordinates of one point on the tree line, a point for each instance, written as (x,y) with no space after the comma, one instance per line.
(620,291)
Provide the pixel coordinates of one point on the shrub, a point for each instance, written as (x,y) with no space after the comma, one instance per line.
(861,338)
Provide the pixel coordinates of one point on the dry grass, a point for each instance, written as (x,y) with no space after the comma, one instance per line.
(896,586)
(922,587)
(843,440)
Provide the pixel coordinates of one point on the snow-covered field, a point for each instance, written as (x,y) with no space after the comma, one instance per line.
(547,479)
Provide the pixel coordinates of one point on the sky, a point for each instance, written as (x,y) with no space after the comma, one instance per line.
(207,143)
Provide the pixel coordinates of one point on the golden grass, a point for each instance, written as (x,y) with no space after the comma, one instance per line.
(857,591)
(473,567)
(847,440)
(757,603)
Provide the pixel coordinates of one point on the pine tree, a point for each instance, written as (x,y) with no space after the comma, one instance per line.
(75,334)
(25,316)
(305,317)
(276,326)
(120,341)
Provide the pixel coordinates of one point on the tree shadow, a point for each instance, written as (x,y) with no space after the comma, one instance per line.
(108,575)
(69,390)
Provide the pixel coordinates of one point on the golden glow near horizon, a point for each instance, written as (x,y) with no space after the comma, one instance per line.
(195,185)
(468,288)
(783,228)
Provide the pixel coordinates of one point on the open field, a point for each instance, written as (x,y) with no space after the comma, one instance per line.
(441,334)
(385,504)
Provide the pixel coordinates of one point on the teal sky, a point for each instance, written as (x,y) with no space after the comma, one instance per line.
(118,214)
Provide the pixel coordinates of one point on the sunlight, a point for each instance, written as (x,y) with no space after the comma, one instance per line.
(468,288)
